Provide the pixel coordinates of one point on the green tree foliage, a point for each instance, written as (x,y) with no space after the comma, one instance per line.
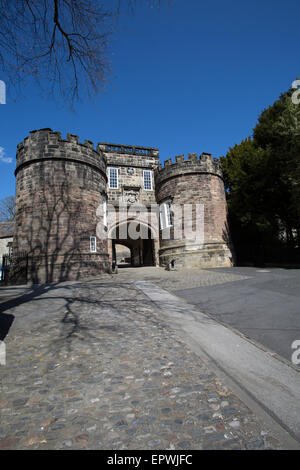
(262,176)
(278,129)
(246,180)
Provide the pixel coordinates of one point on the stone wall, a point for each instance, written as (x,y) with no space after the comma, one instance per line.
(131,161)
(135,159)
(190,182)
(59,187)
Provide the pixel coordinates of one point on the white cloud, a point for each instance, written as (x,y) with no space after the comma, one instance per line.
(3,158)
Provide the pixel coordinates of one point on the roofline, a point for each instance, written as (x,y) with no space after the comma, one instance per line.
(128,145)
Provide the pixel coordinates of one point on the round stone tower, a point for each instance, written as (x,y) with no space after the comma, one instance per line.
(60,188)
(193,211)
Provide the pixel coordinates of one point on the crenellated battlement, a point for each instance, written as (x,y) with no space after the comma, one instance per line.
(192,157)
(54,137)
(193,164)
(45,144)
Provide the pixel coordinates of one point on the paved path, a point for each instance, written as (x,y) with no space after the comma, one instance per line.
(93,365)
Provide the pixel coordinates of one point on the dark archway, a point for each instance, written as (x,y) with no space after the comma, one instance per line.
(139,239)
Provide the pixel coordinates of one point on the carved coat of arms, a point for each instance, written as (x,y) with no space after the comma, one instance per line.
(131,196)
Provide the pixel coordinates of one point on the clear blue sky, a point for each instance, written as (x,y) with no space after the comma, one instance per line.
(189,77)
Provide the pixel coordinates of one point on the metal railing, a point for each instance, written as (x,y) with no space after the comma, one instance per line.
(13,263)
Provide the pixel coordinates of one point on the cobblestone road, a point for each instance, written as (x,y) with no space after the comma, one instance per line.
(92,366)
(182,279)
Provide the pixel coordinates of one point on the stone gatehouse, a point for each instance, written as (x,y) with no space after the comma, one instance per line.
(67,191)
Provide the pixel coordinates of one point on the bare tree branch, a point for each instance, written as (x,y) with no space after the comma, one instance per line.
(61,43)
(7,209)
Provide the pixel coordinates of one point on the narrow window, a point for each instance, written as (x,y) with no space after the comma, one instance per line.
(113,178)
(93,247)
(147,180)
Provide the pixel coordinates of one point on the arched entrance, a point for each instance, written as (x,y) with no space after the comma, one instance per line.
(138,238)
(123,255)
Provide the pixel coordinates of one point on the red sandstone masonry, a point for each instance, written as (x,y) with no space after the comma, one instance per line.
(196,181)
(59,186)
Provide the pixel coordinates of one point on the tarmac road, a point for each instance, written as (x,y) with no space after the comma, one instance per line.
(264,305)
